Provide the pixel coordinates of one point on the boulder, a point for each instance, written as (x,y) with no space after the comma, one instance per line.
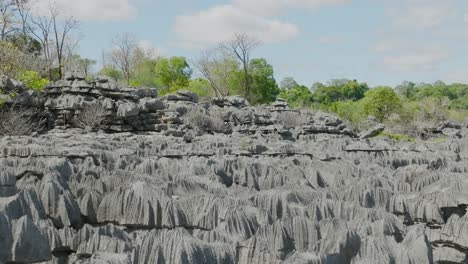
(373,132)
(128,109)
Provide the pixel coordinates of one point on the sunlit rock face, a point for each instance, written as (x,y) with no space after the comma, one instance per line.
(253,185)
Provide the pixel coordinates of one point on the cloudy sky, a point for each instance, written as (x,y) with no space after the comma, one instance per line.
(378,41)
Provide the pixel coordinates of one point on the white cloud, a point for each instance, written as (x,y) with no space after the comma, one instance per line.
(422,15)
(422,60)
(220,23)
(272,7)
(254,17)
(399,54)
(89,10)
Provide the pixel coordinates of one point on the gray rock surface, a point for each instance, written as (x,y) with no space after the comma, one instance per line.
(258,192)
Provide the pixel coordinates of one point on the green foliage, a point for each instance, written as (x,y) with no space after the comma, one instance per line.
(173,73)
(145,74)
(200,87)
(297,97)
(264,87)
(32,80)
(339,90)
(406,89)
(456,93)
(351,111)
(111,72)
(381,102)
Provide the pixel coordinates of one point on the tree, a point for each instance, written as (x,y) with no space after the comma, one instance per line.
(144,73)
(173,72)
(42,31)
(13,60)
(242,46)
(264,87)
(25,43)
(61,31)
(7,18)
(123,53)
(53,31)
(111,72)
(339,90)
(299,96)
(200,86)
(352,90)
(406,89)
(77,63)
(221,70)
(288,83)
(381,102)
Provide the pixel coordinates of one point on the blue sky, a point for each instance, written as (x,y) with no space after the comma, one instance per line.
(378,41)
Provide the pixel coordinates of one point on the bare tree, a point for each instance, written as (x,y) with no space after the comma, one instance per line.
(23,9)
(122,54)
(7,17)
(242,46)
(218,68)
(40,28)
(53,32)
(61,33)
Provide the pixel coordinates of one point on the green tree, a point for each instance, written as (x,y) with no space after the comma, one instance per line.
(144,73)
(339,90)
(381,102)
(352,90)
(406,89)
(263,85)
(111,72)
(288,83)
(299,96)
(200,86)
(222,71)
(173,73)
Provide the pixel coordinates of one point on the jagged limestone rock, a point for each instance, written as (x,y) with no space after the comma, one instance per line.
(259,192)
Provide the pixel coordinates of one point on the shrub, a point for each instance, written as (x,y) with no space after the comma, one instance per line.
(457,115)
(32,80)
(416,119)
(16,121)
(91,116)
(353,112)
(381,102)
(206,123)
